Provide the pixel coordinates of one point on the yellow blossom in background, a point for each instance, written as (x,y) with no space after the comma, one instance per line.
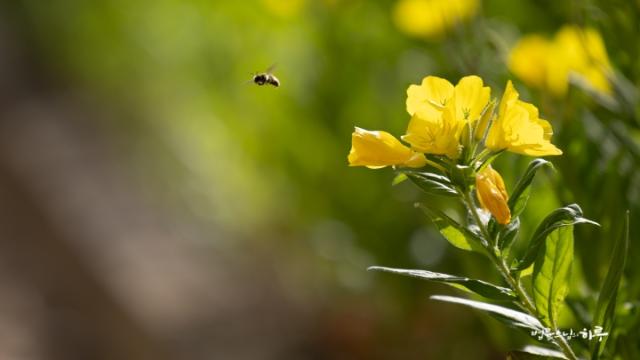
(528,60)
(284,8)
(492,194)
(431,18)
(440,111)
(573,52)
(519,129)
(377,149)
(586,56)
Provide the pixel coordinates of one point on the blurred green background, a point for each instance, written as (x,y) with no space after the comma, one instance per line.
(156,205)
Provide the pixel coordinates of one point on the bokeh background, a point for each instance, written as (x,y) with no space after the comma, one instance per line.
(156,206)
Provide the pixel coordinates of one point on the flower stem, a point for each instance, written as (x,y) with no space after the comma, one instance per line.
(437,166)
(494,253)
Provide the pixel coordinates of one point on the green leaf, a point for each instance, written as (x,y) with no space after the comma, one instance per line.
(479,287)
(456,234)
(462,175)
(520,194)
(551,274)
(606,305)
(489,160)
(567,216)
(432,183)
(509,316)
(531,352)
(508,234)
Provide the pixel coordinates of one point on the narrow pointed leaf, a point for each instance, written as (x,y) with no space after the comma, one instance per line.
(531,352)
(432,183)
(479,287)
(551,274)
(456,234)
(509,316)
(606,305)
(520,193)
(566,216)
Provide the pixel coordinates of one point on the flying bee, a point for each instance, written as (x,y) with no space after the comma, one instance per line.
(266,78)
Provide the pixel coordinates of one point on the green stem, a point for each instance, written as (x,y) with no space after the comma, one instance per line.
(494,253)
(437,166)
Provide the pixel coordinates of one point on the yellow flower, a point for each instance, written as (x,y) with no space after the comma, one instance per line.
(284,8)
(528,60)
(492,194)
(585,56)
(573,52)
(377,149)
(431,18)
(439,112)
(435,134)
(518,128)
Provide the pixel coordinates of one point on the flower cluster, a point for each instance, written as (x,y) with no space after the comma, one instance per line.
(573,52)
(442,118)
(449,124)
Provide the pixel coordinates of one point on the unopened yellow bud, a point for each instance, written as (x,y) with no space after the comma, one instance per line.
(492,194)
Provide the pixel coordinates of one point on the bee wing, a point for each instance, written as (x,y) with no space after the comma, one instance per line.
(251,79)
(271,68)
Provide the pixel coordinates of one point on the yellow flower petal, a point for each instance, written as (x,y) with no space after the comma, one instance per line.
(471,97)
(430,97)
(436,135)
(519,129)
(492,194)
(377,149)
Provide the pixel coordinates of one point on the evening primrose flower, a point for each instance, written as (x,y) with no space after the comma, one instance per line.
(440,111)
(585,56)
(528,60)
(432,18)
(438,135)
(492,194)
(377,149)
(519,129)
(573,52)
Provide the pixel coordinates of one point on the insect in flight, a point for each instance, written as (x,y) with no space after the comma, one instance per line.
(266,78)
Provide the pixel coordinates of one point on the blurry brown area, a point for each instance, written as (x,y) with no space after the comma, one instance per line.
(89,269)
(96,264)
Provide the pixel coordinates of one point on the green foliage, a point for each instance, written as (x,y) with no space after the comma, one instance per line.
(432,183)
(508,234)
(551,273)
(606,306)
(482,288)
(566,216)
(531,352)
(521,192)
(509,316)
(457,235)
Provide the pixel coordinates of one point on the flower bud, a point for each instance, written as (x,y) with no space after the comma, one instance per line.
(492,194)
